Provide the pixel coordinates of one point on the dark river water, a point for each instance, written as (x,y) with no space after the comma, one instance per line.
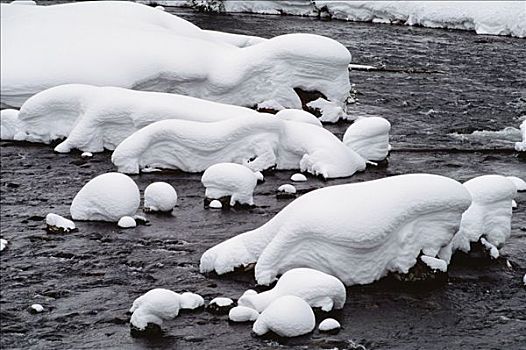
(439,87)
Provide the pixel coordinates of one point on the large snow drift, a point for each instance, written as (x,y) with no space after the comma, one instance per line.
(230,180)
(175,56)
(356,232)
(259,143)
(484,17)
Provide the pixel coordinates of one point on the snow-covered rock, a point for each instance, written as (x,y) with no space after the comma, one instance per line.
(519,183)
(215,204)
(298,177)
(288,316)
(193,62)
(191,301)
(36,308)
(489,215)
(298,115)
(434,263)
(287,188)
(329,325)
(3,244)
(259,143)
(127,222)
(242,314)
(230,180)
(107,197)
(220,305)
(514,204)
(369,137)
(329,111)
(317,288)
(9,124)
(521,146)
(160,196)
(58,224)
(346,232)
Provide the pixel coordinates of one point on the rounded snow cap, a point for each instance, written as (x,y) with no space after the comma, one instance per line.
(160,196)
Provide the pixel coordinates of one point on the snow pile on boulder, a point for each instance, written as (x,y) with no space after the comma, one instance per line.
(369,137)
(230,180)
(57,224)
(242,314)
(259,143)
(488,217)
(193,62)
(317,288)
(127,222)
(3,244)
(160,196)
(341,231)
(298,177)
(287,316)
(329,325)
(107,197)
(521,146)
(9,124)
(220,305)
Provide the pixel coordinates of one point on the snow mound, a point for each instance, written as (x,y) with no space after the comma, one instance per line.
(298,115)
(287,188)
(221,301)
(259,143)
(3,244)
(9,124)
(160,196)
(328,325)
(86,155)
(521,146)
(191,301)
(329,111)
(341,231)
(369,137)
(193,62)
(220,305)
(242,314)
(36,308)
(215,204)
(127,222)
(230,180)
(288,316)
(58,224)
(107,197)
(298,177)
(489,215)
(519,183)
(317,288)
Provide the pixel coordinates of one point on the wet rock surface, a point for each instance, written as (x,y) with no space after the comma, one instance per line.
(87,280)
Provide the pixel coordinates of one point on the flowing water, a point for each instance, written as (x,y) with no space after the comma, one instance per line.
(439,87)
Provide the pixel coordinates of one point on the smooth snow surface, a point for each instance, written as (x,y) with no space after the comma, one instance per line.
(519,183)
(298,177)
(242,314)
(215,204)
(9,124)
(107,197)
(369,137)
(287,188)
(37,308)
(59,222)
(3,244)
(230,180)
(317,288)
(489,215)
(329,324)
(160,196)
(484,17)
(521,146)
(86,155)
(298,115)
(23,2)
(347,232)
(288,316)
(221,301)
(175,56)
(259,143)
(127,222)
(191,301)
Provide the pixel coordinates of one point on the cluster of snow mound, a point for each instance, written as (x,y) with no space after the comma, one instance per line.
(160,196)
(521,146)
(58,224)
(317,288)
(107,197)
(158,305)
(343,231)
(488,17)
(193,62)
(230,180)
(259,143)
(287,316)
(488,217)
(369,137)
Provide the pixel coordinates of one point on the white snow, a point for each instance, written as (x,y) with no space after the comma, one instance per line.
(58,222)
(158,305)
(160,7)
(242,314)
(356,232)
(369,137)
(330,112)
(287,188)
(514,204)
(259,176)
(298,115)
(329,324)
(434,263)
(519,183)
(524,279)
(107,197)
(259,143)
(489,215)
(221,301)
(521,146)
(193,62)
(9,124)
(288,316)
(230,180)
(493,251)
(215,204)
(23,2)
(86,155)
(298,177)
(127,222)
(160,196)
(37,308)
(3,244)
(317,288)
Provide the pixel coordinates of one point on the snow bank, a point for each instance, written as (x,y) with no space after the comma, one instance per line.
(242,314)
(259,143)
(521,146)
(175,56)
(107,197)
(288,316)
(160,196)
(317,288)
(489,215)
(487,17)
(230,180)
(369,137)
(57,224)
(36,308)
(9,124)
(348,233)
